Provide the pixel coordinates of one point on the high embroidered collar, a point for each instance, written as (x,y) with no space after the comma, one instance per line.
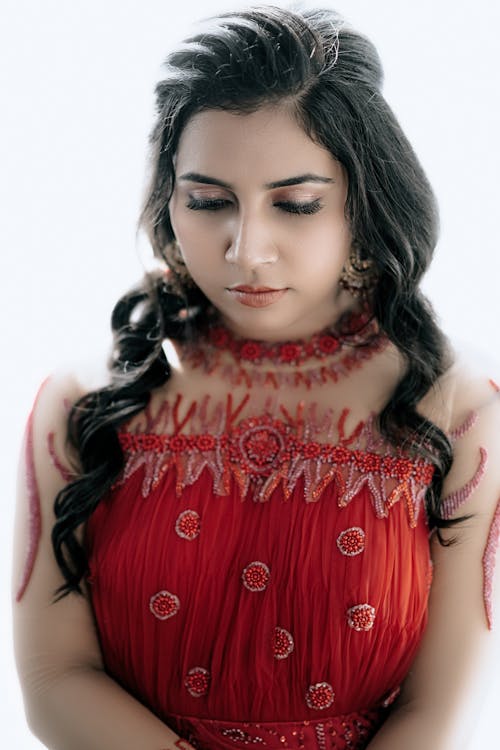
(357,329)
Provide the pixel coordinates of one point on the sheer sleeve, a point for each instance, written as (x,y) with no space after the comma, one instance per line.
(454,667)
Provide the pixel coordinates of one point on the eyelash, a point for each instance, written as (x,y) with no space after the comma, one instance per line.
(287,206)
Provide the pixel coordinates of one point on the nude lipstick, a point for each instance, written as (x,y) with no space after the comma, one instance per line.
(253,296)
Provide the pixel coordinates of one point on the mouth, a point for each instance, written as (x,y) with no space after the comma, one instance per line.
(256,296)
(254,289)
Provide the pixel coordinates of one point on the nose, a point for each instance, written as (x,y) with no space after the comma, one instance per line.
(250,243)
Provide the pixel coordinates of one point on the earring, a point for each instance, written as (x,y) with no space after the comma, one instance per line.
(178,275)
(358,275)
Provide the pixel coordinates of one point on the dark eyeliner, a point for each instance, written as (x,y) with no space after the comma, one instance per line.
(214,204)
(300,208)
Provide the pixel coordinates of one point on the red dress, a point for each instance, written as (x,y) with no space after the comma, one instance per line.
(255,586)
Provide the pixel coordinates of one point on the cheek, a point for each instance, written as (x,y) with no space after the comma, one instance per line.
(325,247)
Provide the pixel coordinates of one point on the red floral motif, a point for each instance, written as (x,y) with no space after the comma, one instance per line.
(290,352)
(312,450)
(351,542)
(397,468)
(367,462)
(256,576)
(188,525)
(178,443)
(152,442)
(340,454)
(283,643)
(260,446)
(423,472)
(320,696)
(164,605)
(251,350)
(126,441)
(219,337)
(328,344)
(361,617)
(197,681)
(206,442)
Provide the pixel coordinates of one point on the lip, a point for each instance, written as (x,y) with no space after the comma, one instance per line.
(258,296)
(253,289)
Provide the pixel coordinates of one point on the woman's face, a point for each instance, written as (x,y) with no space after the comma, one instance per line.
(257,203)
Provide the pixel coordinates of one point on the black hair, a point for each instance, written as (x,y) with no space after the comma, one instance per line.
(330,76)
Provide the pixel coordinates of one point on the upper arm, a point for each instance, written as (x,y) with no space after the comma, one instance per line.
(455,662)
(50,638)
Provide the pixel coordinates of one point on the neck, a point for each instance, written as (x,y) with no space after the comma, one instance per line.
(326,355)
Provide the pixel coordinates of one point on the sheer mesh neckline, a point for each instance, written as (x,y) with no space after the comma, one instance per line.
(352,329)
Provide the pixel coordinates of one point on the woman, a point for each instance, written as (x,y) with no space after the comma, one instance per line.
(276,523)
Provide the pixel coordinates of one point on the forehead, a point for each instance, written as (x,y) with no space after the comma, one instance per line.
(268,143)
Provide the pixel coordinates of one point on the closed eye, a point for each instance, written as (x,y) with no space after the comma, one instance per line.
(300,208)
(214,204)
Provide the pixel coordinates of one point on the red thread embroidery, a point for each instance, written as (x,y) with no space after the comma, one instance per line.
(494,385)
(35,517)
(56,462)
(264,452)
(466,425)
(489,564)
(249,357)
(453,501)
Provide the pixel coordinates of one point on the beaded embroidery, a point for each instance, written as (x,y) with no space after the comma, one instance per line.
(342,731)
(34,511)
(451,503)
(207,356)
(256,576)
(391,697)
(197,682)
(261,453)
(164,605)
(351,542)
(239,735)
(488,562)
(320,696)
(361,617)
(187,525)
(283,643)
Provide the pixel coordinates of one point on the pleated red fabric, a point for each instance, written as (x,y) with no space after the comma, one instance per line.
(282,618)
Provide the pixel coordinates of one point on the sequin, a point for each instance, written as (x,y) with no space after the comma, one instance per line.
(351,542)
(256,576)
(239,735)
(265,453)
(283,643)
(320,736)
(197,682)
(361,617)
(187,525)
(164,605)
(320,696)
(261,446)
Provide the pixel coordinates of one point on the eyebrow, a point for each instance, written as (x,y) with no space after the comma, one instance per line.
(298,180)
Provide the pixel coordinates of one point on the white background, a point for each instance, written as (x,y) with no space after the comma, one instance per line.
(76,85)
